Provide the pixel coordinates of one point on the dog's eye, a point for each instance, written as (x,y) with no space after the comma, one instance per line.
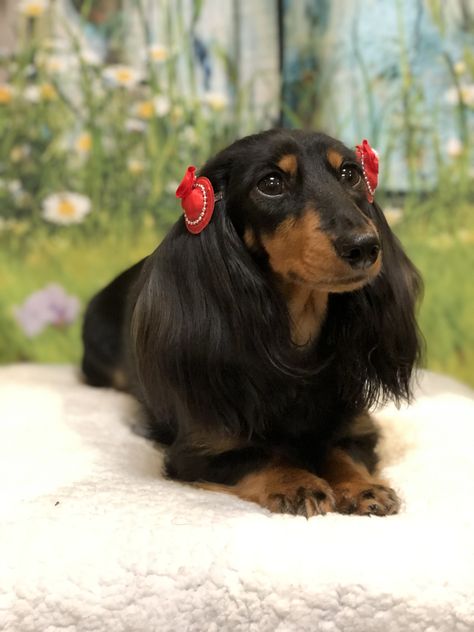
(271,185)
(350,174)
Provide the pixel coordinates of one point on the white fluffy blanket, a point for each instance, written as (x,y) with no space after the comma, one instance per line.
(93,539)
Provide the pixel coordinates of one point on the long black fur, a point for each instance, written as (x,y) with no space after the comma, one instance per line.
(203,333)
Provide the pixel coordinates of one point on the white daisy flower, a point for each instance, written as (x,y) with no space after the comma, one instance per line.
(121,76)
(135,125)
(32,94)
(454,147)
(43,92)
(393,215)
(33,8)
(217,101)
(190,135)
(56,63)
(14,188)
(452,96)
(66,208)
(158,52)
(171,187)
(466,92)
(89,57)
(162,105)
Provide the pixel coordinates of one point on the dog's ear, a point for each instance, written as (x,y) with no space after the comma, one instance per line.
(204,311)
(377,332)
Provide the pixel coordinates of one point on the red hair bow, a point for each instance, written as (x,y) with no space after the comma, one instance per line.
(370,166)
(197,200)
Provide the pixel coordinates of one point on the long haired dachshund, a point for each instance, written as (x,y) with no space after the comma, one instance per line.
(258,344)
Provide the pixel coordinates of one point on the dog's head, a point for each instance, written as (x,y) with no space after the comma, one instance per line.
(300,200)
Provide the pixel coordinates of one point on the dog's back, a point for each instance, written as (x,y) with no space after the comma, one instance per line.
(103,332)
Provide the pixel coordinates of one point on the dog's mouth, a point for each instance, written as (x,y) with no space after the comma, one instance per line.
(339,283)
(344,284)
(344,280)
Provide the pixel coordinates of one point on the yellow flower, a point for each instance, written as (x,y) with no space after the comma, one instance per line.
(83,143)
(33,8)
(216,101)
(145,109)
(158,52)
(66,208)
(135,167)
(6,93)
(48,92)
(19,152)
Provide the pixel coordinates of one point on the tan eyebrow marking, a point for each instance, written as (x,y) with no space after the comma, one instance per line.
(335,159)
(288,163)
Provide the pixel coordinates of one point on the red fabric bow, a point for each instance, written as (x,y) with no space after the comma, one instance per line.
(370,166)
(197,200)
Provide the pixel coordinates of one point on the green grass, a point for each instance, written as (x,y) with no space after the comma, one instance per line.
(82,266)
(445,257)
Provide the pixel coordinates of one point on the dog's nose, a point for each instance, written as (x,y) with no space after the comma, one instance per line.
(360,251)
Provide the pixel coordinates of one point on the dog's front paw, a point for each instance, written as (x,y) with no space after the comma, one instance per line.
(299,493)
(304,501)
(366,499)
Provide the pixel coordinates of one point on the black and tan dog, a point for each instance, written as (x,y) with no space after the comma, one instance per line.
(258,345)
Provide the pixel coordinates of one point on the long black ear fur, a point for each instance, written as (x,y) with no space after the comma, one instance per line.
(209,332)
(373,331)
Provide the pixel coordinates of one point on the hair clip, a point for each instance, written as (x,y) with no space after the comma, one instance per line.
(197,200)
(370,167)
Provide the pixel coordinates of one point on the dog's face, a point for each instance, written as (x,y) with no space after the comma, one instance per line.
(300,199)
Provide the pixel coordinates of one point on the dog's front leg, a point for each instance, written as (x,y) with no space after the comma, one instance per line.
(254,474)
(356,490)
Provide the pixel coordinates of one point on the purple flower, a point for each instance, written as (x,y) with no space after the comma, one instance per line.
(48,306)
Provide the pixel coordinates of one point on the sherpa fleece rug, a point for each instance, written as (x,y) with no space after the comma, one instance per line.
(92,538)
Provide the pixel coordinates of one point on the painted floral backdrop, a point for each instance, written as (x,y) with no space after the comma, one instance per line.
(104,102)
